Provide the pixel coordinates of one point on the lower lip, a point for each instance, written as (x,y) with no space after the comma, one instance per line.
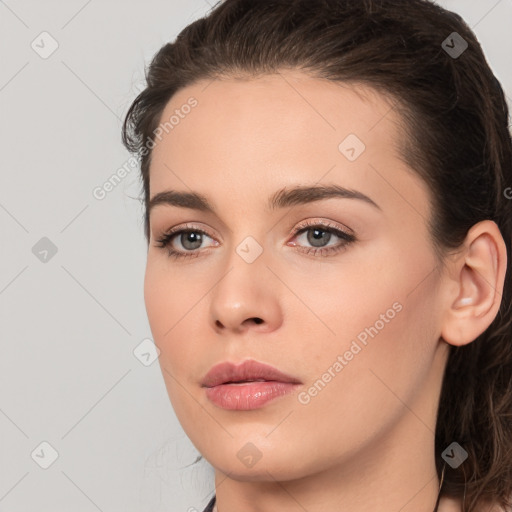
(249,395)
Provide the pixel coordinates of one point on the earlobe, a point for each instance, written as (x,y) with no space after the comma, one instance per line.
(479,274)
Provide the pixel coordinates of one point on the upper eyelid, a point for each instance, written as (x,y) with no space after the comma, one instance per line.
(327,224)
(305,224)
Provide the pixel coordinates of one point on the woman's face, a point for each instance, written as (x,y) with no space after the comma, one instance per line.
(353,318)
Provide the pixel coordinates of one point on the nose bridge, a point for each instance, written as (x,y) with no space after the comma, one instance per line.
(250,249)
(246,262)
(250,235)
(244,292)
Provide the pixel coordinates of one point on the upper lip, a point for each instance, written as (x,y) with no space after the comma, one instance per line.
(248,370)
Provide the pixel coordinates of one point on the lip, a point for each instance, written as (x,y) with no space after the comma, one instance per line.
(227,387)
(249,369)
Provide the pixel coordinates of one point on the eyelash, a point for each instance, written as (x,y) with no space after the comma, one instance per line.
(347,238)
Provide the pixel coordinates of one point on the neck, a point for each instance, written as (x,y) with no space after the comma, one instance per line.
(393,473)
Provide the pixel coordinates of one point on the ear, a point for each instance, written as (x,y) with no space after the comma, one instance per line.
(476,279)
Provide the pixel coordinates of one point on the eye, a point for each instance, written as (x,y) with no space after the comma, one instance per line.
(191,238)
(320,232)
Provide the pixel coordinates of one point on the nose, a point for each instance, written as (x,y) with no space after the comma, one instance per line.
(246,298)
(253,320)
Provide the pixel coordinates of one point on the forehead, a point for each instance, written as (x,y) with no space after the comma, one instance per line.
(259,134)
(290,104)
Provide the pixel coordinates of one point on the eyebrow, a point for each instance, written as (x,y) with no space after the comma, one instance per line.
(281,199)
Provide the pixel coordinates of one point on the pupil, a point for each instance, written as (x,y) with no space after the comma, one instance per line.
(318,238)
(191,237)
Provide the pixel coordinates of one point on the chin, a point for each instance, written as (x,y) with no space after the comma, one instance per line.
(281,466)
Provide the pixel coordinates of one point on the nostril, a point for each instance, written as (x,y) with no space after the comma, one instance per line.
(258,320)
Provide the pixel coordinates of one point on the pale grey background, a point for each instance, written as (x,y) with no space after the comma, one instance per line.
(69,325)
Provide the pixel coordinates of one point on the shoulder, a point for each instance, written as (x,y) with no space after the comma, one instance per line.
(492,506)
(448,504)
(211,504)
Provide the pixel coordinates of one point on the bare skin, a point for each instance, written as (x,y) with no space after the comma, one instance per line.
(365,441)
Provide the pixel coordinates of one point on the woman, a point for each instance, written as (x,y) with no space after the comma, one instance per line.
(370,370)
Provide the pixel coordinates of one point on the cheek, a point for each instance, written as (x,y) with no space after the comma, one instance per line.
(167,296)
(176,310)
(365,393)
(167,306)
(378,314)
(158,300)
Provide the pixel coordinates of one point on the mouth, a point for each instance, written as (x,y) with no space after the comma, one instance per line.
(245,381)
(248,371)
(246,386)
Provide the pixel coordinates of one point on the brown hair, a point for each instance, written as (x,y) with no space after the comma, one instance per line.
(456,137)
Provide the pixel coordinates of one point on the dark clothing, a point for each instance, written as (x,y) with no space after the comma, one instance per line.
(210,505)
